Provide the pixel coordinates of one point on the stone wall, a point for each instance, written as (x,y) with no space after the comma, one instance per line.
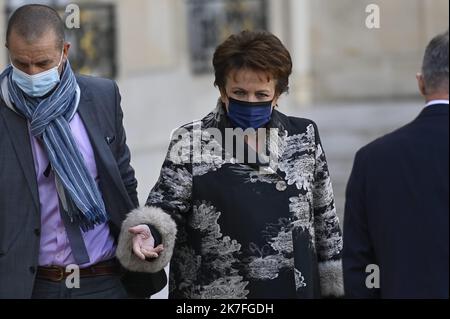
(350,61)
(336,57)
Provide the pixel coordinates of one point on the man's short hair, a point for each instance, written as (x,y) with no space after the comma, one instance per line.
(32,21)
(435,64)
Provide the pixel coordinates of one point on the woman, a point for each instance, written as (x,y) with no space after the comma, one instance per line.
(250,224)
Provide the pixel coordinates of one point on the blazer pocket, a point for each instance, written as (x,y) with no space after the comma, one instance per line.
(110,139)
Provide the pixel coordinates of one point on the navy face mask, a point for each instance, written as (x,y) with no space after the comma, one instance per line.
(249,114)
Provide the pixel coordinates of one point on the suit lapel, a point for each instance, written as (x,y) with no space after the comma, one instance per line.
(20,139)
(105,161)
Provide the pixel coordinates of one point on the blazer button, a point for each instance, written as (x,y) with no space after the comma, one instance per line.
(281,186)
(2,253)
(32,269)
(37,232)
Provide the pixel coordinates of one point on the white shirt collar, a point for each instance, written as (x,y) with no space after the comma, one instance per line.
(434,102)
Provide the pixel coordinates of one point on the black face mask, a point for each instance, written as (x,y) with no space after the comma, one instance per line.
(249,114)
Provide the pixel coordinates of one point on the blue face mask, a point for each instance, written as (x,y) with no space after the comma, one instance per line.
(249,114)
(37,85)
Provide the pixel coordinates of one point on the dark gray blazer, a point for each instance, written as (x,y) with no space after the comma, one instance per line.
(396,214)
(20,223)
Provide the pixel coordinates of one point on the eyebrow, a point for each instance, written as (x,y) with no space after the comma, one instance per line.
(46,61)
(258,91)
(18,60)
(43,61)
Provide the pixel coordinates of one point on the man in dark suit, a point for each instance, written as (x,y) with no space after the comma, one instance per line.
(66,183)
(396,215)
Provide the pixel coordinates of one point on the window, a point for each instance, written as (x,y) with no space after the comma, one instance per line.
(93,44)
(212,21)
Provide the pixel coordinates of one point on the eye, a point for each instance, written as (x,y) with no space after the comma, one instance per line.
(240,93)
(43,64)
(262,95)
(20,65)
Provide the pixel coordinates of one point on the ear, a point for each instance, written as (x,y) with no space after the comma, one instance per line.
(223,96)
(275,100)
(421,84)
(66,49)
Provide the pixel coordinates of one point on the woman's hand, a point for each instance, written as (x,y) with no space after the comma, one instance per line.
(144,243)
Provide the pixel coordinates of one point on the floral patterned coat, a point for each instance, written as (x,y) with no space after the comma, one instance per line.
(247,232)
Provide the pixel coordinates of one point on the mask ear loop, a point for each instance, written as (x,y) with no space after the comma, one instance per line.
(60,60)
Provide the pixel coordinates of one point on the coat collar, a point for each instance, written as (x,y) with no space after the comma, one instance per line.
(435,110)
(91,117)
(276,133)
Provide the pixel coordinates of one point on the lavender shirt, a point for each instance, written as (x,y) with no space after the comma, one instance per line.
(54,247)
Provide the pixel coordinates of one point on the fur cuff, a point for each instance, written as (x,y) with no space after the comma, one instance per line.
(147,216)
(331,281)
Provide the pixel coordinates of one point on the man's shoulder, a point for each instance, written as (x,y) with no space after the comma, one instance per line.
(293,124)
(96,83)
(389,144)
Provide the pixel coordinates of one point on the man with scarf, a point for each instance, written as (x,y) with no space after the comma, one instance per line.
(66,182)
